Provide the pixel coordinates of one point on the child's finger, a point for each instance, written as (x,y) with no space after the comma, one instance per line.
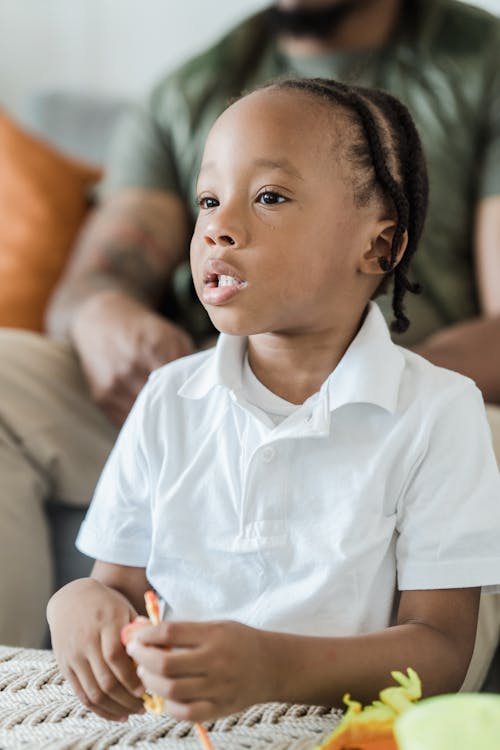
(196,711)
(120,664)
(183,690)
(111,687)
(93,697)
(166,663)
(82,696)
(174,634)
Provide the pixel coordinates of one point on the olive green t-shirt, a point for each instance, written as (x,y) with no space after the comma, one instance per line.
(443,62)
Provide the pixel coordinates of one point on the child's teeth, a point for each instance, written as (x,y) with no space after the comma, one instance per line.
(227,281)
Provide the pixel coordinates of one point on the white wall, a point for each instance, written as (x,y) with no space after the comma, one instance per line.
(102,46)
(117,46)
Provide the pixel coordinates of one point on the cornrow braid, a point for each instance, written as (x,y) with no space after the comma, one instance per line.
(389,135)
(416,184)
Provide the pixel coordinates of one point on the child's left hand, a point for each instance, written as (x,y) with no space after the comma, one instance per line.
(204,669)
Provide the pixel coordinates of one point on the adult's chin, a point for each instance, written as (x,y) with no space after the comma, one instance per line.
(319,20)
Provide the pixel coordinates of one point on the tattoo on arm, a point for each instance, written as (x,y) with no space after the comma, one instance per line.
(134,244)
(132,257)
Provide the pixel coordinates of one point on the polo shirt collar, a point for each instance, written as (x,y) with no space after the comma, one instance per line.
(369,372)
(224,368)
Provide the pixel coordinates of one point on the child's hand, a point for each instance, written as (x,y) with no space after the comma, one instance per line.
(85,618)
(204,669)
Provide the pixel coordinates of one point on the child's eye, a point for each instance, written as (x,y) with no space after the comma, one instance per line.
(269,198)
(207,202)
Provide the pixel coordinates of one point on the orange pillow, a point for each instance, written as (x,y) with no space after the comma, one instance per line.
(43,199)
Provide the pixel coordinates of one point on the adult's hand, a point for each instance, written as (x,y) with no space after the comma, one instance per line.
(127,251)
(472,348)
(120,341)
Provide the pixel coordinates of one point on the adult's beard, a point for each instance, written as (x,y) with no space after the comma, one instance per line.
(315,22)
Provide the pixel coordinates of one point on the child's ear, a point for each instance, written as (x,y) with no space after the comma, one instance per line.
(380,247)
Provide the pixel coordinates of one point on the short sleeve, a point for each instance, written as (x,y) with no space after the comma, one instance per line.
(117,527)
(141,153)
(489,175)
(449,518)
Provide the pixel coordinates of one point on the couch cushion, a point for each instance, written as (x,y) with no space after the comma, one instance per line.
(43,199)
(77,123)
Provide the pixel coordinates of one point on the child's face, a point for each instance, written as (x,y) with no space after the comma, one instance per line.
(278,243)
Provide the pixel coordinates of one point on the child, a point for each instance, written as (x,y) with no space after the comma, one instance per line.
(288,491)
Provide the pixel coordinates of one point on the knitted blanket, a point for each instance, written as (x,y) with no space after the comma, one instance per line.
(39,710)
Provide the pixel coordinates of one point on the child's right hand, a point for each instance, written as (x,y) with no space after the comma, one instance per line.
(85,618)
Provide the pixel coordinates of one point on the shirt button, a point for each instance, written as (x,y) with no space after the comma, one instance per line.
(268,454)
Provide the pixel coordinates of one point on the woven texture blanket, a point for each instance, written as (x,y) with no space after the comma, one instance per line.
(39,710)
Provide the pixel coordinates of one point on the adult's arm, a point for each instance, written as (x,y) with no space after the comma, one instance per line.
(473,347)
(105,303)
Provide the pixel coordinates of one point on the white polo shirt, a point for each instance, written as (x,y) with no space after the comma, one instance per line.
(384,479)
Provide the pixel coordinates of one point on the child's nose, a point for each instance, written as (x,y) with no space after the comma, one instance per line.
(226,229)
(214,239)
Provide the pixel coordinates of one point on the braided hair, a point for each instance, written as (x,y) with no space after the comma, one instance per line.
(386,152)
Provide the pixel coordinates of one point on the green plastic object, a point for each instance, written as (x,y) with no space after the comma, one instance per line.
(466,721)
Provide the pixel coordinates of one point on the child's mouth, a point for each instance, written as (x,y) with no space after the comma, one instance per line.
(227,281)
(219,287)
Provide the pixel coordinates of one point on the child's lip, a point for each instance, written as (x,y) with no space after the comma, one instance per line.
(212,293)
(219,295)
(215,268)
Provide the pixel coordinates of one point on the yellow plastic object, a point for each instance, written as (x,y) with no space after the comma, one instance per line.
(371,728)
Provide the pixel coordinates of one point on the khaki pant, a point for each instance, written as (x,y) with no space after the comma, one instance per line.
(53,444)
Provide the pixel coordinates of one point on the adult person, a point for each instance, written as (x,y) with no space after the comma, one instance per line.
(61,411)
